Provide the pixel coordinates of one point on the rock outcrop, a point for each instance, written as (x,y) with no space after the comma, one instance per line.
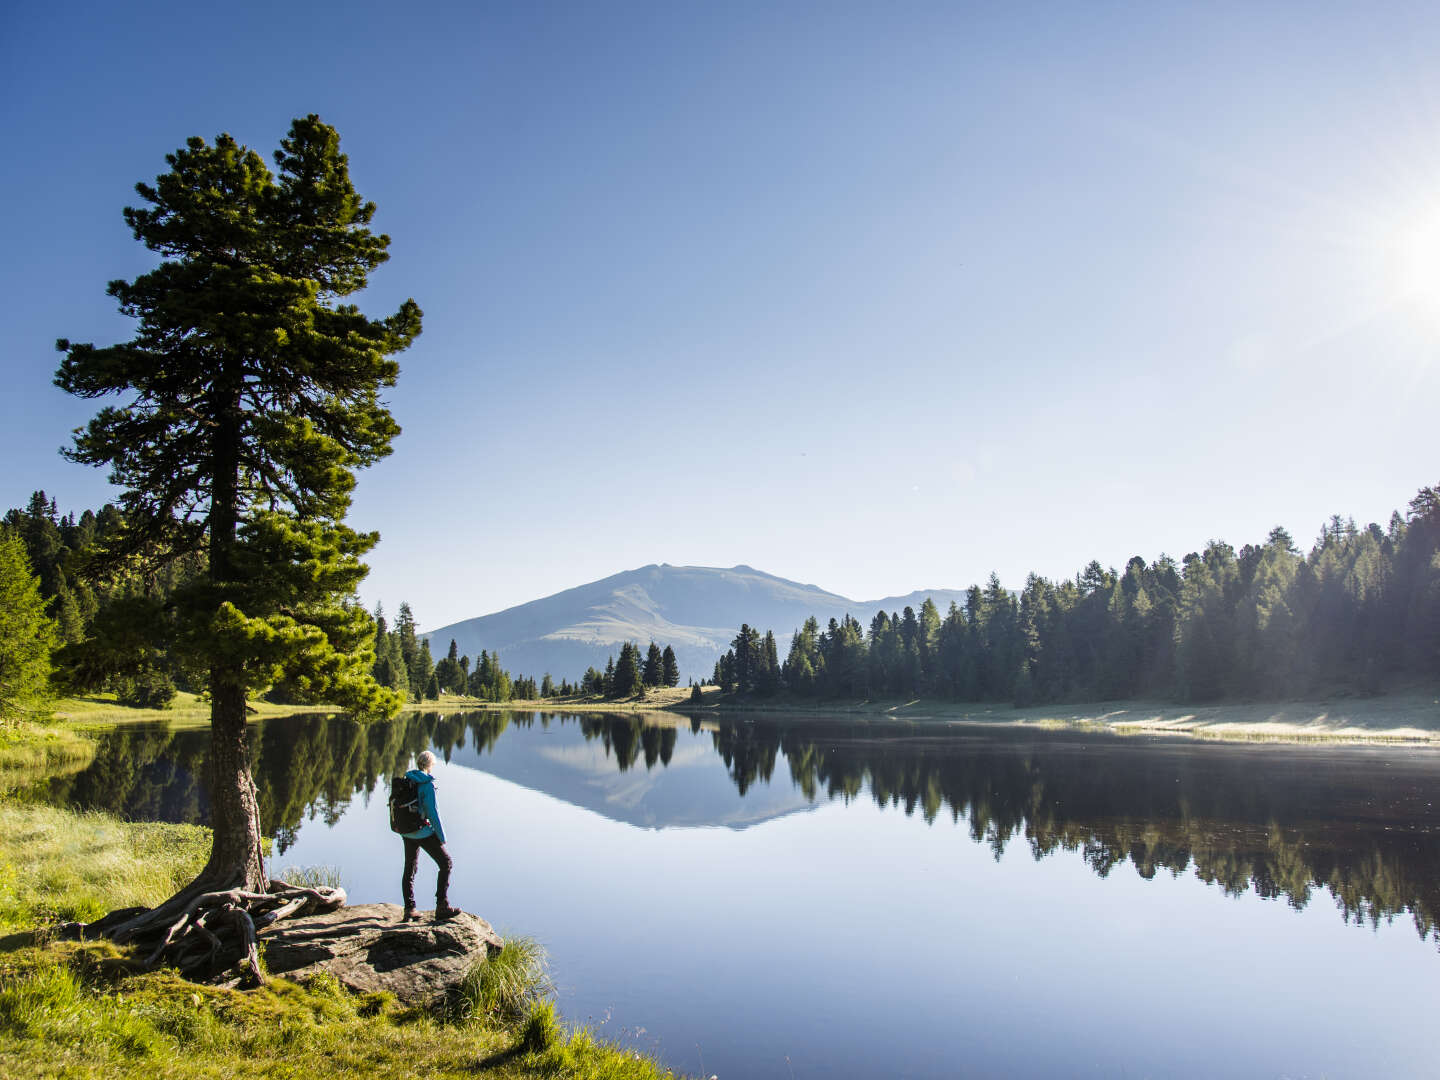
(368,948)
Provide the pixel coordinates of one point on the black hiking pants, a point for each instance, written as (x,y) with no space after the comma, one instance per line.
(436,850)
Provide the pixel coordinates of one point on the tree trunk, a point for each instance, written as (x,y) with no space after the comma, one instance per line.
(234,813)
(235,859)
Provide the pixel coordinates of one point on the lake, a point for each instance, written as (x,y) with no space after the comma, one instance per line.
(801,897)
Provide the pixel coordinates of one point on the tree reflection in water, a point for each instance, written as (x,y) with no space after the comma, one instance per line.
(1282,821)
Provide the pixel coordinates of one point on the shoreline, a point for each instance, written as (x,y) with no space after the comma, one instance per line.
(1410,717)
(1407,717)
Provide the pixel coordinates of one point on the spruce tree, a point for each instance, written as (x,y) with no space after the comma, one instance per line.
(250,396)
(654,671)
(424,671)
(448,671)
(670,670)
(389,669)
(768,676)
(627,679)
(409,643)
(27,634)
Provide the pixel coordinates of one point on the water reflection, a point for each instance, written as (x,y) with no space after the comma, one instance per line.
(1359,825)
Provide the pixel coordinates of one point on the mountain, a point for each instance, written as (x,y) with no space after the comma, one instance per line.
(697,610)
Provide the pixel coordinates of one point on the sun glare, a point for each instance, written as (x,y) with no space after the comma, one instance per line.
(1418,265)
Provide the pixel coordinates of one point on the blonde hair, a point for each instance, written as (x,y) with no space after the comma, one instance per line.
(424,760)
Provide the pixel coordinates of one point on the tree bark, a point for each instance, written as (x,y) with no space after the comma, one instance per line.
(235,859)
(234,813)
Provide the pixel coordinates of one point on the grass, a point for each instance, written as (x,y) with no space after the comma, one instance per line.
(57,865)
(29,749)
(63,1015)
(312,877)
(509,987)
(76,1011)
(103,710)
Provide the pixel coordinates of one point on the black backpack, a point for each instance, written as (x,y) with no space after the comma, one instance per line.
(405,815)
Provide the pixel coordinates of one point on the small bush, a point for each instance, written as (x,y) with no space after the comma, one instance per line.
(541,1030)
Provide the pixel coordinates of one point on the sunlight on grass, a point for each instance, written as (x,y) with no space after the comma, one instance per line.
(57,865)
(312,877)
(30,751)
(506,987)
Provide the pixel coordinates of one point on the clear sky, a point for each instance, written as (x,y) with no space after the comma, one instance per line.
(876,296)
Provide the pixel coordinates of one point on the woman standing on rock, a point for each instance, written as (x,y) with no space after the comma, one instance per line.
(431,837)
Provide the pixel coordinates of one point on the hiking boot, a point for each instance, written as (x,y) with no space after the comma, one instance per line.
(445,911)
(410,915)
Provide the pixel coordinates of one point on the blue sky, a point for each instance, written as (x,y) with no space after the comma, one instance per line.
(875,296)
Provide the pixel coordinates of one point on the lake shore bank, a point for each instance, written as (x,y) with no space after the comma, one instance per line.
(1411,715)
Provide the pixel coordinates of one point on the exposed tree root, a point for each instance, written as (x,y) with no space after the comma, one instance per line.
(206,933)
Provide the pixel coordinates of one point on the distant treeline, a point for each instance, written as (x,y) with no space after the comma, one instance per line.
(1361,609)
(403,662)
(631,675)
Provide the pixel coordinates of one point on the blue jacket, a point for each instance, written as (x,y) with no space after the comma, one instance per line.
(426,787)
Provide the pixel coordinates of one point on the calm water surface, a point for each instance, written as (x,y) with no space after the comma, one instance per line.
(807,898)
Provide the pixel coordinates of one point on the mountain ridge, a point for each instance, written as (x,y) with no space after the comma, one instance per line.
(696,610)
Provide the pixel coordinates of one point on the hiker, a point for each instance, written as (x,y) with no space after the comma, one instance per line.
(431,837)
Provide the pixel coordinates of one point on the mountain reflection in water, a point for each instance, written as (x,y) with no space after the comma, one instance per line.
(1357,823)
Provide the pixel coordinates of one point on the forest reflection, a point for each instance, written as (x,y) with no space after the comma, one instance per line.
(1286,823)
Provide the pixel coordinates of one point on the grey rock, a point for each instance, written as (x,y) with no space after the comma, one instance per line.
(368,948)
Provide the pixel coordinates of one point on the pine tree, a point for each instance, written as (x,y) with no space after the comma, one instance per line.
(409,643)
(27,634)
(768,679)
(627,678)
(250,398)
(448,672)
(670,670)
(389,669)
(424,672)
(654,672)
(747,658)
